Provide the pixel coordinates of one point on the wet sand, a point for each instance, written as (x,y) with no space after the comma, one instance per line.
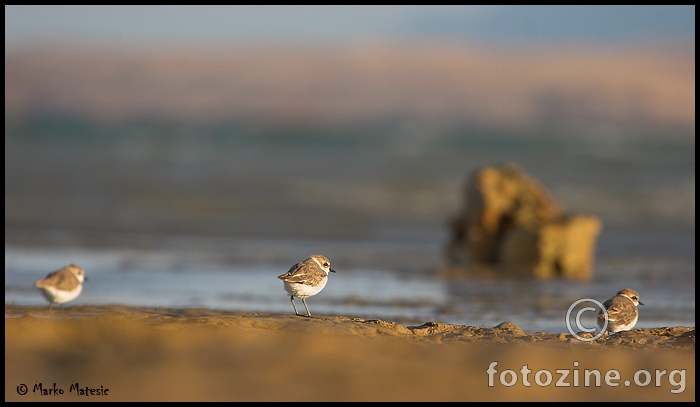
(124,353)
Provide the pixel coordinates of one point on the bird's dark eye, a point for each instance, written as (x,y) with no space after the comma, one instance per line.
(326,264)
(634,298)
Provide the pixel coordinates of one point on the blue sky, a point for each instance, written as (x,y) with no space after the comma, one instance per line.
(173,25)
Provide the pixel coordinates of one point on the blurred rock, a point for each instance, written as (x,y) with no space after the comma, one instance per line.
(511,221)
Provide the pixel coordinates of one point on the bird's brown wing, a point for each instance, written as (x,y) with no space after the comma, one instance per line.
(621,310)
(62,279)
(303,273)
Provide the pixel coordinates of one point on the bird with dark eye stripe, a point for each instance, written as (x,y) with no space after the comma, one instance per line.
(307,278)
(62,285)
(622,311)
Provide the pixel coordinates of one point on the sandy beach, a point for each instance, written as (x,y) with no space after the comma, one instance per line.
(114,353)
(476,175)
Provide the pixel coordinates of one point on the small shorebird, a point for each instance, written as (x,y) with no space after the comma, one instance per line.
(307,278)
(622,311)
(62,285)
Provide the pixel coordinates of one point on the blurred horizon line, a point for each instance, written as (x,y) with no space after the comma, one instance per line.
(584,88)
(669,43)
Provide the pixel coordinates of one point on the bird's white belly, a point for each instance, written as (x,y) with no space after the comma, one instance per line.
(618,328)
(59,296)
(303,290)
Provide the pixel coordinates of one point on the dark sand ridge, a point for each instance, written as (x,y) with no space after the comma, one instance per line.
(199,354)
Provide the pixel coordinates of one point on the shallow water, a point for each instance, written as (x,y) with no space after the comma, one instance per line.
(149,279)
(186,216)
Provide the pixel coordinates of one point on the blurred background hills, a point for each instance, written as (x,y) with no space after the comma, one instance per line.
(583,68)
(125,126)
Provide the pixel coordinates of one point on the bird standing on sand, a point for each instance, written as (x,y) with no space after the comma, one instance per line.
(62,285)
(622,311)
(307,278)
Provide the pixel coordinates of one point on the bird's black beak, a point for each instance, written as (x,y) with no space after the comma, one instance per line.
(640,303)
(332,271)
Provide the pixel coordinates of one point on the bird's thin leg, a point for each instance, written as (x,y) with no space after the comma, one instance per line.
(50,308)
(303,299)
(62,314)
(295,307)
